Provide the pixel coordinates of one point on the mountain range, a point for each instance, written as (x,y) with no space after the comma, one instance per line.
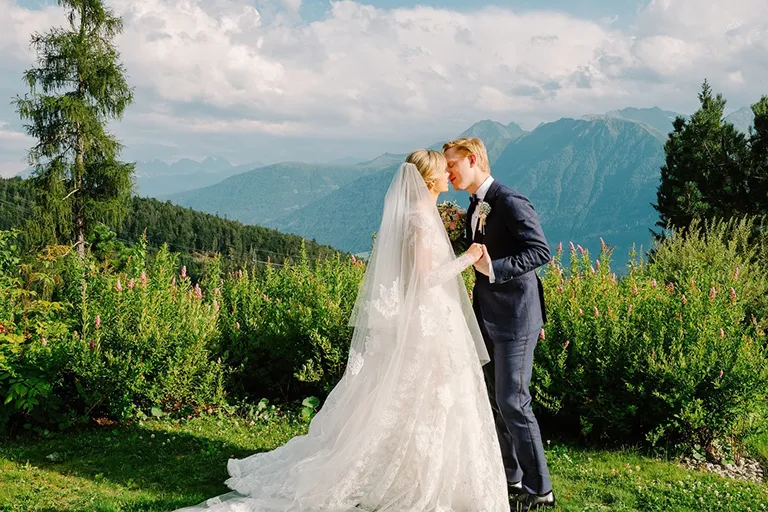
(591,177)
(156,178)
(586,178)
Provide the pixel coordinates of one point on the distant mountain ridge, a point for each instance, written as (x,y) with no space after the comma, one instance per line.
(656,118)
(587,179)
(743,119)
(591,177)
(155,178)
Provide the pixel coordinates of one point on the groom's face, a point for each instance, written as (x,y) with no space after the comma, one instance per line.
(461,168)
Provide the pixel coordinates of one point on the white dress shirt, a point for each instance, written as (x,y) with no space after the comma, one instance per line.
(476,217)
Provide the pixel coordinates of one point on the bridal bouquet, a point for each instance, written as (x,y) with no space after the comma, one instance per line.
(453,218)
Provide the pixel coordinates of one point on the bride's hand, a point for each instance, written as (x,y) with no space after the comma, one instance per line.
(476,251)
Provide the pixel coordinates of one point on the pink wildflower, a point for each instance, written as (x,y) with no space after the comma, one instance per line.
(581,249)
(119,286)
(613,278)
(629,308)
(91,345)
(684,299)
(572,247)
(567,342)
(173,281)
(43,341)
(143,279)
(721,374)
(542,334)
(198,291)
(597,312)
(736,274)
(97,321)
(581,312)
(597,263)
(452,225)
(712,294)
(131,284)
(354,260)
(183,271)
(215,304)
(634,289)
(671,287)
(733,295)
(722,333)
(653,283)
(237,325)
(560,247)
(218,361)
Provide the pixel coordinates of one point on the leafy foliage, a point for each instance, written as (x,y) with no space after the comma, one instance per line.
(712,170)
(669,353)
(193,235)
(77,87)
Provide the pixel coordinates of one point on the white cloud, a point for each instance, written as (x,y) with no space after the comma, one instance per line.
(205,67)
(12,139)
(293,5)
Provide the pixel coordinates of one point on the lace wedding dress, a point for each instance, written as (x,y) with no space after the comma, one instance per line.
(409,426)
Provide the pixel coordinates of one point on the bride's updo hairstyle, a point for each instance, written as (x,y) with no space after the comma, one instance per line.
(431,165)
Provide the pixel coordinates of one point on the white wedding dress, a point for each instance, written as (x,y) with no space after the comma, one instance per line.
(409,426)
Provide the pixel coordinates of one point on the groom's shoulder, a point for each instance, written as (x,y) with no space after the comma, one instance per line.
(519,205)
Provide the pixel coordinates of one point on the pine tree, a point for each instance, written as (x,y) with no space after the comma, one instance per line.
(77,86)
(706,169)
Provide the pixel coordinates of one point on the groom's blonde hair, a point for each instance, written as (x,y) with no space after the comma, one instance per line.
(431,164)
(471,146)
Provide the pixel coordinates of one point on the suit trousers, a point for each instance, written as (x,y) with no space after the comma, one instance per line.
(508,376)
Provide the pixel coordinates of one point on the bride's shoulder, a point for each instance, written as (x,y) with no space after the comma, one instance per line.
(420,215)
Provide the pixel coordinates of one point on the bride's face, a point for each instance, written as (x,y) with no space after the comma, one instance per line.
(442,182)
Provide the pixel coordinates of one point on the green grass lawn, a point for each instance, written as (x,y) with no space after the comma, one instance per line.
(163,465)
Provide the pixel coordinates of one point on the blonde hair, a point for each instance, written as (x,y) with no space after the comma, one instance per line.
(471,146)
(431,165)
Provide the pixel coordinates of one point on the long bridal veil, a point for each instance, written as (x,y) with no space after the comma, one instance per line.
(409,425)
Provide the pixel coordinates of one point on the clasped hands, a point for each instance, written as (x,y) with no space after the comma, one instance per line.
(482,260)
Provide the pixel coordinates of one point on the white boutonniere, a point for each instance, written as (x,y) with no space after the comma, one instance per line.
(483,210)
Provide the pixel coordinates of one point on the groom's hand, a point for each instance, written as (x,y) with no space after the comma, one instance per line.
(483,265)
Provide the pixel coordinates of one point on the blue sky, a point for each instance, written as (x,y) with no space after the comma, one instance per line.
(317,80)
(623,10)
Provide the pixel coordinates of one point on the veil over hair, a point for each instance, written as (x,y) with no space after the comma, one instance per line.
(411,256)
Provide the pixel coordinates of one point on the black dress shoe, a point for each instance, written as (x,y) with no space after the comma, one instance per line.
(515,489)
(536,502)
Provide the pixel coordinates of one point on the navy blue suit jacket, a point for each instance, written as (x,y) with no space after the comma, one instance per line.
(513,306)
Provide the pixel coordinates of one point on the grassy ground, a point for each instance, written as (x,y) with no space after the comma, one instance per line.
(163,465)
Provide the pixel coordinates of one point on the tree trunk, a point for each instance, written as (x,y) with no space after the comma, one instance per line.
(78,197)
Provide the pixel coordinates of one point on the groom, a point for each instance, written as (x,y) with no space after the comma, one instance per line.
(508,300)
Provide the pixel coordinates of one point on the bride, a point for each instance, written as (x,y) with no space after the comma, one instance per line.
(409,426)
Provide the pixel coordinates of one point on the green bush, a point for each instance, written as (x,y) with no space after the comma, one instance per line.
(147,336)
(109,345)
(670,352)
(284,328)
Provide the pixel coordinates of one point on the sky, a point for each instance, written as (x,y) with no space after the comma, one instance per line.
(318,80)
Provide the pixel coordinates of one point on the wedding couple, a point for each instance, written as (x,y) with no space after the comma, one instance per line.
(409,427)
